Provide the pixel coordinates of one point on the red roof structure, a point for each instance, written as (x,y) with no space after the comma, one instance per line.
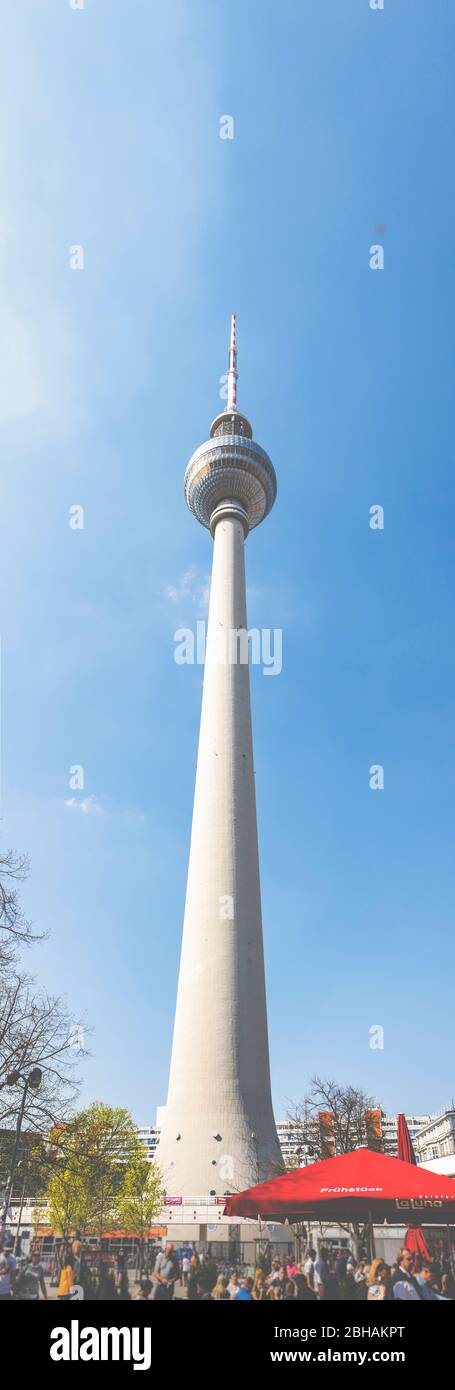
(351,1187)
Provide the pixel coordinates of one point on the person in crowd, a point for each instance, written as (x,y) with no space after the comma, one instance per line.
(308,1267)
(264,1261)
(76,1251)
(303,1292)
(341,1282)
(193,1277)
(404,1283)
(31,1279)
(233,1285)
(186,1266)
(220,1293)
(289,1292)
(291,1268)
(245,1292)
(428,1284)
(448,1285)
(357,1280)
(341,1263)
(322,1274)
(165,1274)
(378,1282)
(278,1277)
(203,1294)
(121,1276)
(144,1291)
(7,1273)
(66,1280)
(123,1288)
(208,1271)
(259,1290)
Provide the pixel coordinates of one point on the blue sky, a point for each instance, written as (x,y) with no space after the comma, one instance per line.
(110,378)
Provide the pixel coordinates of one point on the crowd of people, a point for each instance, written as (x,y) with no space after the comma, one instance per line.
(28,1283)
(199,1278)
(318,1277)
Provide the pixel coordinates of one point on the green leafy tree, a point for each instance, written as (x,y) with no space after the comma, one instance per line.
(140,1198)
(68,1208)
(33,1167)
(93,1152)
(91,1155)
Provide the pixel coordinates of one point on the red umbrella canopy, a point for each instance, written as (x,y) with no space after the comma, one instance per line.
(351,1186)
(404,1142)
(414,1239)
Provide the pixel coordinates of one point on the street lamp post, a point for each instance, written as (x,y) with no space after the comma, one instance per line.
(21,1208)
(31,1082)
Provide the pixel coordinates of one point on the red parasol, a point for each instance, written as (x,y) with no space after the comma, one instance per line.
(352,1186)
(405,1148)
(414,1239)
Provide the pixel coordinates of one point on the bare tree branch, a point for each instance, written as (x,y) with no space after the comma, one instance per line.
(346,1105)
(15,929)
(37,1030)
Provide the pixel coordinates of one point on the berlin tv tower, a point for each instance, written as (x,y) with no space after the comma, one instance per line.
(219,1131)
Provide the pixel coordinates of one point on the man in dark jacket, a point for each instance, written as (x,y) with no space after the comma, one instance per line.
(208,1272)
(404,1285)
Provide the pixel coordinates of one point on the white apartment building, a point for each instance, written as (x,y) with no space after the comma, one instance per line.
(435,1143)
(389,1125)
(149,1135)
(292,1144)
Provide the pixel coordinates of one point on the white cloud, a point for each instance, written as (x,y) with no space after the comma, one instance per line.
(88,805)
(192,586)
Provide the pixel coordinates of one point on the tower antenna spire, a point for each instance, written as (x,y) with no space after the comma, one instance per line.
(232,371)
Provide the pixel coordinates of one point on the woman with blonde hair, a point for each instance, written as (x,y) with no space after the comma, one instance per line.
(378,1282)
(220,1293)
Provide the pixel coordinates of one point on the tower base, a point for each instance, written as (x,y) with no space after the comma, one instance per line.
(226,1238)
